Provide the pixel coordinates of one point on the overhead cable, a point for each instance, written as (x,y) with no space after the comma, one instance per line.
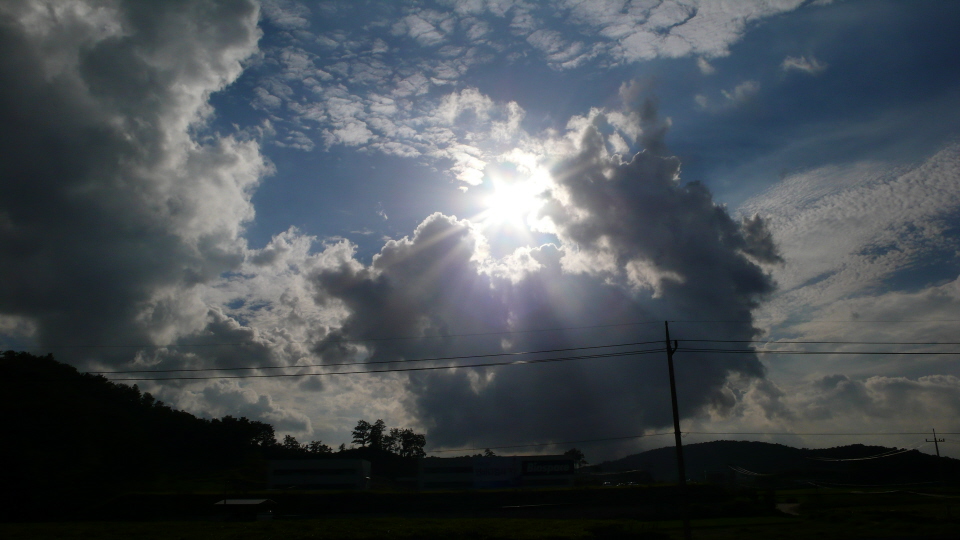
(393,370)
(382,361)
(365,340)
(798,352)
(557,443)
(791,342)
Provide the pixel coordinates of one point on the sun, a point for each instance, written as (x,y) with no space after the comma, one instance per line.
(512,203)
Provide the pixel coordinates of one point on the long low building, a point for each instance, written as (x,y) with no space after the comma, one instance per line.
(495,472)
(342,474)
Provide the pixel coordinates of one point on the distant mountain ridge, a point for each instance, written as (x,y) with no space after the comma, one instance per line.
(789,463)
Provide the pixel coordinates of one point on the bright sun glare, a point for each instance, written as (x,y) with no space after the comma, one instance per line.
(512,203)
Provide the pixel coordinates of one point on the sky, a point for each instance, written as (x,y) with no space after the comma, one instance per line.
(310,188)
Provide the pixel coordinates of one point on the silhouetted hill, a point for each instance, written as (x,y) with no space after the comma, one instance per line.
(789,463)
(67,433)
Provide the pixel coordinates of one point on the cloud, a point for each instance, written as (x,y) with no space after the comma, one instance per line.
(229,398)
(636,244)
(739,95)
(705,67)
(363,64)
(113,211)
(881,235)
(883,399)
(641,31)
(742,92)
(286,14)
(836,403)
(891,276)
(810,66)
(122,218)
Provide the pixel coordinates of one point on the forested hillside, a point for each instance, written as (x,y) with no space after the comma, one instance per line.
(67,432)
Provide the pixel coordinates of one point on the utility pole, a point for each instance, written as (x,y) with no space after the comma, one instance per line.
(935,442)
(681,469)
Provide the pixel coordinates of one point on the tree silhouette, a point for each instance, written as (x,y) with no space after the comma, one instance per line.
(376,434)
(402,442)
(411,444)
(290,443)
(317,447)
(361,433)
(577,456)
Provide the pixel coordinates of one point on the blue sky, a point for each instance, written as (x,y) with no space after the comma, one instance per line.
(219,184)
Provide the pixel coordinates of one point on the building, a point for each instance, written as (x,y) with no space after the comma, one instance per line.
(310,474)
(495,472)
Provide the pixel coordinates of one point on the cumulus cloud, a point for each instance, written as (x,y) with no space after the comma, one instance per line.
(122,214)
(636,244)
(113,212)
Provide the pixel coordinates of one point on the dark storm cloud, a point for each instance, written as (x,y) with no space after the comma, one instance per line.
(429,284)
(111,211)
(638,246)
(640,214)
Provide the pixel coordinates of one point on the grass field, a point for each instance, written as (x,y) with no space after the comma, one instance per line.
(823,516)
(731,528)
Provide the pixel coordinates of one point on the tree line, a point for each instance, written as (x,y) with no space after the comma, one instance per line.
(66,428)
(403,442)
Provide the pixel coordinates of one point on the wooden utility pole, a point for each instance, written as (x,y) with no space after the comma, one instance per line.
(935,442)
(681,469)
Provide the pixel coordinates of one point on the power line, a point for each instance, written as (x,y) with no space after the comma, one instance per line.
(628,437)
(888,453)
(776,351)
(822,342)
(837,321)
(818,434)
(493,355)
(394,370)
(380,361)
(393,338)
(558,443)
(512,332)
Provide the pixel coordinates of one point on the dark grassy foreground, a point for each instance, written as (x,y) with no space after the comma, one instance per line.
(824,515)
